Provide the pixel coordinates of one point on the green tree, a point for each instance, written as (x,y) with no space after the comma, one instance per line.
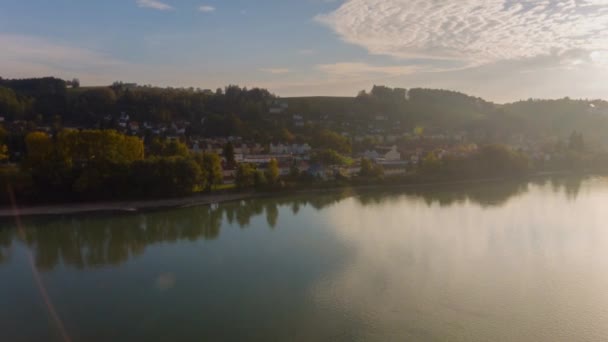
(166,176)
(286,135)
(176,148)
(86,146)
(431,163)
(370,169)
(327,139)
(3,152)
(500,160)
(11,105)
(328,157)
(259,179)
(272,173)
(212,167)
(294,172)
(94,104)
(167,148)
(39,148)
(576,142)
(229,155)
(245,176)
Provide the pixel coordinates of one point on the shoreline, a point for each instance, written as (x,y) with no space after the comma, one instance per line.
(208,199)
(123,206)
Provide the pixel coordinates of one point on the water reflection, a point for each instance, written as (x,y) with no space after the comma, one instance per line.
(530,268)
(98,240)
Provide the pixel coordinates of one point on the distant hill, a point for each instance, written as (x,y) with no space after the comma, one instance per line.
(248,112)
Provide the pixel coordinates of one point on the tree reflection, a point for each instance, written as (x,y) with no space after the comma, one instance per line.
(99,240)
(489,194)
(5,244)
(571,186)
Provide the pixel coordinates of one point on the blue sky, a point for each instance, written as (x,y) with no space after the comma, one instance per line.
(499,49)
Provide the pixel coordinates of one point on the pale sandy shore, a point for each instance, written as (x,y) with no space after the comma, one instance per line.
(122,206)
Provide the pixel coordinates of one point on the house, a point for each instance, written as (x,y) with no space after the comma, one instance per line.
(393,154)
(301,148)
(278,148)
(278,107)
(242,149)
(380,153)
(256,148)
(415,159)
(124,116)
(370,154)
(321,172)
(303,166)
(298,120)
(196,147)
(397,168)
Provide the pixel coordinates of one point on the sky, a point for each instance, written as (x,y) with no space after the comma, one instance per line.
(502,50)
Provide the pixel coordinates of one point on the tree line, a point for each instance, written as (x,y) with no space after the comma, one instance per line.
(238,111)
(105,164)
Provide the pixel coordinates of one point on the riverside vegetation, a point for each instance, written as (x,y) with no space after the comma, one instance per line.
(82,156)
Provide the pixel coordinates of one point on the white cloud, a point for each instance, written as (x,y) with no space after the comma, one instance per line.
(474,32)
(154,4)
(206,9)
(276,71)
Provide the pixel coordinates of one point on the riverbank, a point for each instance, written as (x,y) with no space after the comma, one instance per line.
(123,206)
(207,199)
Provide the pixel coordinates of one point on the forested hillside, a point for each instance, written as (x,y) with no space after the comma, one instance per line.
(248,112)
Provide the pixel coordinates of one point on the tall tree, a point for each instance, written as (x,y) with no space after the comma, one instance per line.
(245,176)
(229,155)
(212,166)
(272,173)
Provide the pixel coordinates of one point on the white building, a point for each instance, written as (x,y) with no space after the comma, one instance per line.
(393,154)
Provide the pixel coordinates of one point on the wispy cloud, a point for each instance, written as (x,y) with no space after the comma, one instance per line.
(275,71)
(472,31)
(357,69)
(154,4)
(27,56)
(206,8)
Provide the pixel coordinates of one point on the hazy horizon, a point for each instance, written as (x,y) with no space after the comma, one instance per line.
(500,50)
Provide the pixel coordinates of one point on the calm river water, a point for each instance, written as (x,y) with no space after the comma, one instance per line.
(491,262)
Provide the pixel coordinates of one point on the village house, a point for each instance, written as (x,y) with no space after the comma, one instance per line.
(278,106)
(298,120)
(289,149)
(383,153)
